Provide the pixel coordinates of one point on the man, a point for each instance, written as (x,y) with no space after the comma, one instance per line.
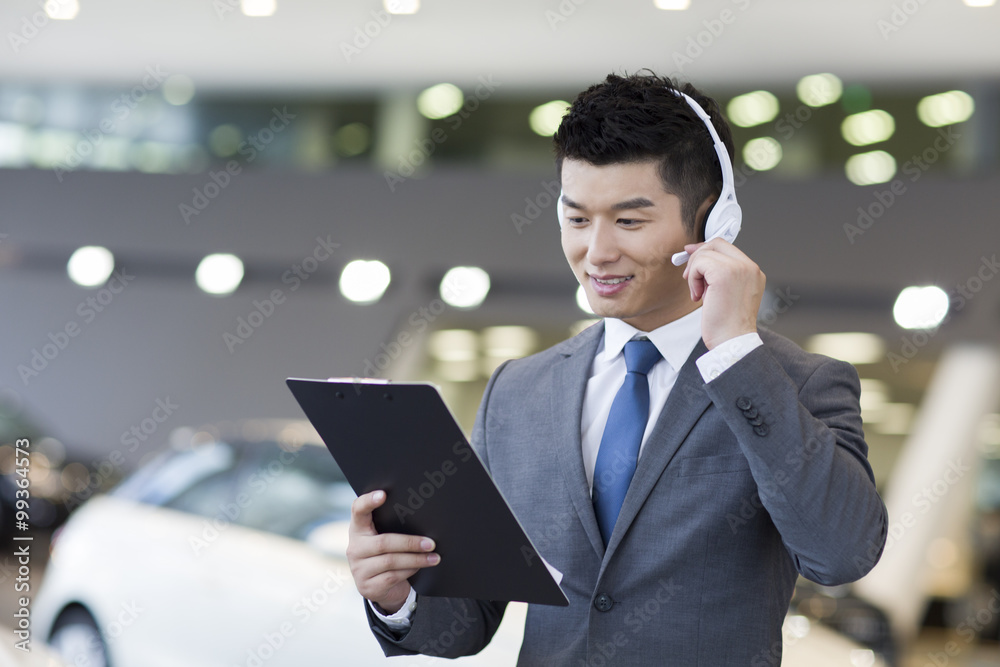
(751,464)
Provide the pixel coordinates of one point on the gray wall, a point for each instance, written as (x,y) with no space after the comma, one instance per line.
(162,338)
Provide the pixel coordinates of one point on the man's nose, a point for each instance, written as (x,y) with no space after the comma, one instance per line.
(602,246)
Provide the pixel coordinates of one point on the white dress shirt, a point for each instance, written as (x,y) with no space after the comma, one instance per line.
(675,342)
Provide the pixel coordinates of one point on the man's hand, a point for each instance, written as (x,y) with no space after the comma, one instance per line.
(731,286)
(381,564)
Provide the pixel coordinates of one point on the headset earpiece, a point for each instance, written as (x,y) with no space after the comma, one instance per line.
(726,217)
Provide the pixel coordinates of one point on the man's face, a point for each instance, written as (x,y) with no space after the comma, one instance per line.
(620,232)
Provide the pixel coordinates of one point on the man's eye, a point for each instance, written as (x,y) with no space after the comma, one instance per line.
(576,221)
(629,222)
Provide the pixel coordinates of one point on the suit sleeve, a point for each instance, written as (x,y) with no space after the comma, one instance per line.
(808,457)
(447,627)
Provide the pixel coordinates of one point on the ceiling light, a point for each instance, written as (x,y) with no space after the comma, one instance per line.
(352,139)
(401,6)
(896,418)
(258,7)
(762,153)
(219,273)
(465,286)
(509,342)
(920,307)
(672,4)
(870,168)
(753,108)
(979,3)
(178,89)
(454,345)
(546,118)
(62,10)
(364,281)
(948,108)
(867,127)
(224,140)
(90,266)
(440,101)
(852,347)
(817,90)
(874,395)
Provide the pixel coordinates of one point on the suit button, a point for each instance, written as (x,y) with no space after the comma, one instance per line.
(603,602)
(761,430)
(743,403)
(756,421)
(751,413)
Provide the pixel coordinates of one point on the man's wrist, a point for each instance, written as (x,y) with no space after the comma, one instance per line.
(723,356)
(400,619)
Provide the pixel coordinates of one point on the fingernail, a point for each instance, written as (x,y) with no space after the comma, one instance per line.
(377,496)
(433,559)
(427,545)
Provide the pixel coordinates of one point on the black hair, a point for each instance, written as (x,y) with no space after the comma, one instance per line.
(638,117)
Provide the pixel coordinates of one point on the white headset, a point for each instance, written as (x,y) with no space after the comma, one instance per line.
(726,216)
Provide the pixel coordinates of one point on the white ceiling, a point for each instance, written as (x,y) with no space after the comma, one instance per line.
(517,42)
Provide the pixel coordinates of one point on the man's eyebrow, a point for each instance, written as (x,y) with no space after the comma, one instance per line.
(635,202)
(628,204)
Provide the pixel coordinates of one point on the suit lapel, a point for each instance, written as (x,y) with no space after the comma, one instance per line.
(569,383)
(684,407)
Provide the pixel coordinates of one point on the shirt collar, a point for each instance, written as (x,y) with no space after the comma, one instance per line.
(675,340)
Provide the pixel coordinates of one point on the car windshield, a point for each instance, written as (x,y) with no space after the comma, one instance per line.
(259,485)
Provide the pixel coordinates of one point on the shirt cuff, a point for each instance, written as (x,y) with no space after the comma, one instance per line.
(401,619)
(718,360)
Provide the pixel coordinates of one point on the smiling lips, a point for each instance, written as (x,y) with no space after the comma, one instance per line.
(608,285)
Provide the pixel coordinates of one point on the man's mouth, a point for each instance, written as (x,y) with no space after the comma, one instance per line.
(608,286)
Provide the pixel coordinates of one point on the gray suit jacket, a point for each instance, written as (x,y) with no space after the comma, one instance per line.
(744,483)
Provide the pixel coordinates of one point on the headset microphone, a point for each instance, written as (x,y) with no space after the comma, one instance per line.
(726,216)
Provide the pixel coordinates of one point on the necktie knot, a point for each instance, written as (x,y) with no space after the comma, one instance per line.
(640,355)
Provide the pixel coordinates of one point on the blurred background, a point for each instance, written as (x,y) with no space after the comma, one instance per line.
(201,198)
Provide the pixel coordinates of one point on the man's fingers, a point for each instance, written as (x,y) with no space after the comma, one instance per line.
(361,512)
(367,546)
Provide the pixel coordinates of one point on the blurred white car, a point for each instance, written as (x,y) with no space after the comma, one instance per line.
(229,551)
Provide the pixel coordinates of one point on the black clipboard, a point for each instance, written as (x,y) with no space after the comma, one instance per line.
(401,437)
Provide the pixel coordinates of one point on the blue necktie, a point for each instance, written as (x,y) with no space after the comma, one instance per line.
(619,452)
